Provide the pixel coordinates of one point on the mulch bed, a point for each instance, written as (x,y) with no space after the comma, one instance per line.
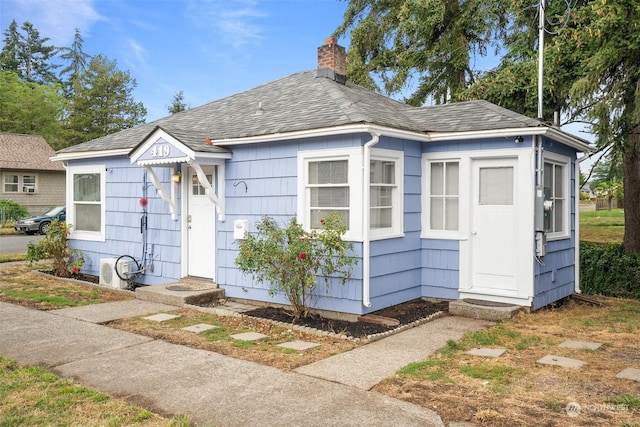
(405,313)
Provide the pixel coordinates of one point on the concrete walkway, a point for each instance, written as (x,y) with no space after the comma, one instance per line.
(213,389)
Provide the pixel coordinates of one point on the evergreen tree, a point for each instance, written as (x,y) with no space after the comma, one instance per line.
(27,54)
(77,61)
(177,104)
(102,103)
(427,45)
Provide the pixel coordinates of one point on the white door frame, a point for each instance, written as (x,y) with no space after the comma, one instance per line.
(524,175)
(186,188)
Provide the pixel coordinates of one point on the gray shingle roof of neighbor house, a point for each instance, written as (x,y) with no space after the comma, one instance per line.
(26,152)
(304,101)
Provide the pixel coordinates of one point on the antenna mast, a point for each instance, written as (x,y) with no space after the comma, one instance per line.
(541,20)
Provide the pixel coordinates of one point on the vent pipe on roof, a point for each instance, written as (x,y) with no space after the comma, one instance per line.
(332,61)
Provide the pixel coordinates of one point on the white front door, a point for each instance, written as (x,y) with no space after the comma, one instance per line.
(495,241)
(201,227)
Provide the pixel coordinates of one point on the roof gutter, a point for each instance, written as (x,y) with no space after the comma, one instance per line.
(558,135)
(79,155)
(366,241)
(338,130)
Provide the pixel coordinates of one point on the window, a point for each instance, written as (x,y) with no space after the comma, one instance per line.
(555,190)
(382,186)
(86,210)
(328,186)
(444,195)
(29,184)
(19,183)
(496,186)
(196,188)
(332,181)
(11,183)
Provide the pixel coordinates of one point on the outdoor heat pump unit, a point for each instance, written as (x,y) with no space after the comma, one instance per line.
(108,276)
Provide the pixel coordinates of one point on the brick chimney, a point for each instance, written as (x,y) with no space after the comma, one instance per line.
(332,61)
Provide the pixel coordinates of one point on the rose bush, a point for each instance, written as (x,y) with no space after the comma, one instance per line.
(291,259)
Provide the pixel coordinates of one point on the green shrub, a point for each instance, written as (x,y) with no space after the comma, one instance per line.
(11,211)
(291,259)
(607,270)
(66,262)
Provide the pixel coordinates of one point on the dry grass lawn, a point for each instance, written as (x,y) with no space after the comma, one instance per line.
(513,390)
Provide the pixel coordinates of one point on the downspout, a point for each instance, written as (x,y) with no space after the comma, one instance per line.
(366,241)
(577,224)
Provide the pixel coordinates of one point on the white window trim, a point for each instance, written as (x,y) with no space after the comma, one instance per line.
(86,235)
(354,156)
(397,204)
(463,195)
(565,162)
(4,183)
(356,182)
(35,185)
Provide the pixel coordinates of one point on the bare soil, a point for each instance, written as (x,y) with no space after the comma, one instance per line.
(405,313)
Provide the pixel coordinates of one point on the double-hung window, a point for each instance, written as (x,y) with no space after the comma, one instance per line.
(331,181)
(328,189)
(444,195)
(86,210)
(556,217)
(13,183)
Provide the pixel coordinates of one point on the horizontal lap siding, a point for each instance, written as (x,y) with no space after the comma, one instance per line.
(395,269)
(441,268)
(124,188)
(269,171)
(555,276)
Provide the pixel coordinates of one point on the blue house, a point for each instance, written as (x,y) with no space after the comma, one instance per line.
(456,201)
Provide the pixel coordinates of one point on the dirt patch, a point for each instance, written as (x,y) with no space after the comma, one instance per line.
(404,313)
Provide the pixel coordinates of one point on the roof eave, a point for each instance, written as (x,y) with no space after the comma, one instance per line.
(80,155)
(578,144)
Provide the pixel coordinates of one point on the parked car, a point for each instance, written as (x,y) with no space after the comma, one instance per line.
(40,224)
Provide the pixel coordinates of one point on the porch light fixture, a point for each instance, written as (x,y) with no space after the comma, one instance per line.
(175,177)
(518,139)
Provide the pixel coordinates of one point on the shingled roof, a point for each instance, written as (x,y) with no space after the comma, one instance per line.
(303,101)
(26,152)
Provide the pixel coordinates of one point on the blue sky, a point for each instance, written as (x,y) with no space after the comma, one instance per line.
(207,48)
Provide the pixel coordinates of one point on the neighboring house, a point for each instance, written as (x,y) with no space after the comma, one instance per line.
(28,176)
(464,200)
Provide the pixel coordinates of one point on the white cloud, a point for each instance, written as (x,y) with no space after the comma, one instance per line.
(55,19)
(234,21)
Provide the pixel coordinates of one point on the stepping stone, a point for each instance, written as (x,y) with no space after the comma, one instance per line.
(632,374)
(161,317)
(565,362)
(298,345)
(581,345)
(248,336)
(486,352)
(200,327)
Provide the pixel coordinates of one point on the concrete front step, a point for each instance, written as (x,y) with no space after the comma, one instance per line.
(483,310)
(186,291)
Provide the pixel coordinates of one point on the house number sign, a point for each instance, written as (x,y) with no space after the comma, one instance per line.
(160,150)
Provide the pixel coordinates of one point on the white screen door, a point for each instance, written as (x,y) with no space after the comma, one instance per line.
(201,225)
(494,226)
